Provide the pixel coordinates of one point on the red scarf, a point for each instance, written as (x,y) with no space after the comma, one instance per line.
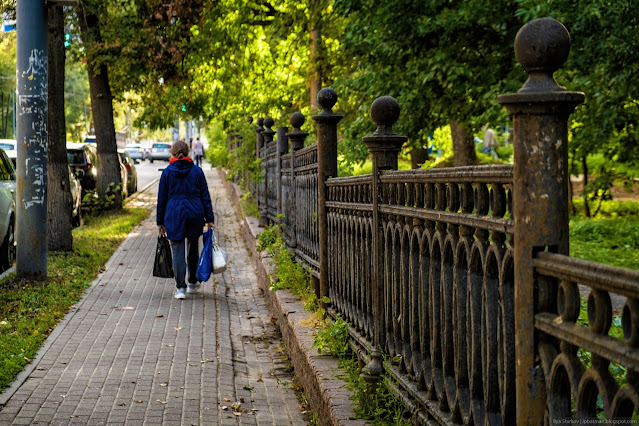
(173,159)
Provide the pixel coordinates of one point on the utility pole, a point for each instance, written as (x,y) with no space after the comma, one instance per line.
(32,89)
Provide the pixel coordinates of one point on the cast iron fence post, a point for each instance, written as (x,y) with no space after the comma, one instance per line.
(384,146)
(282,148)
(259,141)
(297,138)
(267,134)
(540,111)
(327,167)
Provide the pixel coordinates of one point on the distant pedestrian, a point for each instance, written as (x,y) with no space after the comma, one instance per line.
(184,206)
(490,141)
(198,151)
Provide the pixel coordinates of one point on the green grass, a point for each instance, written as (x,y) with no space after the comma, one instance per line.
(613,241)
(29,311)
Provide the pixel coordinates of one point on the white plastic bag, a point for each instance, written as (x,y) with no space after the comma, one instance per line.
(219,257)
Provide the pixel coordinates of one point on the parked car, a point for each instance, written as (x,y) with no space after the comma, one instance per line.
(132,173)
(160,151)
(82,165)
(75,188)
(136,152)
(8,144)
(7,211)
(83,160)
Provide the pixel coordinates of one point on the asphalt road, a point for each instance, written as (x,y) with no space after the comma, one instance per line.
(148,172)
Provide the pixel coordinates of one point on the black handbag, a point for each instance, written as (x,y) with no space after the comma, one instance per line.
(163,266)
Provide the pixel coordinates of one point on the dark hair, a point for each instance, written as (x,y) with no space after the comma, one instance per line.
(179,149)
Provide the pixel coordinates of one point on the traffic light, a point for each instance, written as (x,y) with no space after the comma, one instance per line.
(183,108)
(67,40)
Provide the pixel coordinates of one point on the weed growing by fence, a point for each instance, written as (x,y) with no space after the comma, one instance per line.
(290,274)
(374,402)
(249,206)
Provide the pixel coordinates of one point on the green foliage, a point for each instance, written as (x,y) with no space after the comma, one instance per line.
(290,274)
(97,204)
(333,338)
(217,153)
(610,209)
(30,310)
(373,402)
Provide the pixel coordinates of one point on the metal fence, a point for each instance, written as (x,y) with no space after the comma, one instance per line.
(457,282)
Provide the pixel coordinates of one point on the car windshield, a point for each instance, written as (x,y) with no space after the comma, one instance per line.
(7,146)
(161,145)
(75,156)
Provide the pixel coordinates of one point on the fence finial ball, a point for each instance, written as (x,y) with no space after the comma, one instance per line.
(260,121)
(542,45)
(297,119)
(385,112)
(268,122)
(327,98)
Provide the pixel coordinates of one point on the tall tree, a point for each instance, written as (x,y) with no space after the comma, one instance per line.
(89,12)
(59,198)
(444,61)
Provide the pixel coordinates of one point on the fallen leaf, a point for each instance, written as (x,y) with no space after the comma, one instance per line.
(164,384)
(225,407)
(260,380)
(122,404)
(139,401)
(169,346)
(205,360)
(177,328)
(248,388)
(159,316)
(237,414)
(160,401)
(227,400)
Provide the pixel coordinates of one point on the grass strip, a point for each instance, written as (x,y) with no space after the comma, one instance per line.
(29,311)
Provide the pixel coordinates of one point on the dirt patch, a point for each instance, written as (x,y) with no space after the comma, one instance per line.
(619,192)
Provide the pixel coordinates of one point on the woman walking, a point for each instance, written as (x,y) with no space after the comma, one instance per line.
(184,206)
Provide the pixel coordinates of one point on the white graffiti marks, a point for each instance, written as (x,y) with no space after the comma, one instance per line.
(34,78)
(32,136)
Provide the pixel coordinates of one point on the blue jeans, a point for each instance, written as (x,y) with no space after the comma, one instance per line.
(181,259)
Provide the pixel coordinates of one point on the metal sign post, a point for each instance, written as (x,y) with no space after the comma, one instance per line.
(31,82)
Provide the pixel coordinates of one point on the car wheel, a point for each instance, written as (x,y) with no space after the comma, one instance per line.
(8,248)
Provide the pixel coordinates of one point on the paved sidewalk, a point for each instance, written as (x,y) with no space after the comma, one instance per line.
(131,354)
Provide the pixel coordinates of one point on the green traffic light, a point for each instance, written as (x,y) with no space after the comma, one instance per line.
(184,108)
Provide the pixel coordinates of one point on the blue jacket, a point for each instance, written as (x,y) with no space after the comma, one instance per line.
(184,203)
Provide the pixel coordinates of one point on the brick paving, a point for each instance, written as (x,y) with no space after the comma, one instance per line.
(131,354)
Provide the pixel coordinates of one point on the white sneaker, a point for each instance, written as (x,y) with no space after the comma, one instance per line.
(180,293)
(192,288)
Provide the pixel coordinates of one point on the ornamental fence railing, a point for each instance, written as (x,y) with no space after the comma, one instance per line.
(457,282)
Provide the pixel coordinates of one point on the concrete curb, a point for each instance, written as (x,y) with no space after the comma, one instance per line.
(326,393)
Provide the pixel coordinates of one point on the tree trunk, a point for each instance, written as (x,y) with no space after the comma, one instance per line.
(418,156)
(315,74)
(463,145)
(584,166)
(59,199)
(102,108)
